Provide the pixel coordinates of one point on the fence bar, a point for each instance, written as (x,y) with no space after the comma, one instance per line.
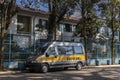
(10,42)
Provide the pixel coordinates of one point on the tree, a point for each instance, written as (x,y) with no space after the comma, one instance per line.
(57,10)
(8,10)
(88,22)
(110,11)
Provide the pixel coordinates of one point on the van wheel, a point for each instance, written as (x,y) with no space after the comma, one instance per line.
(44,68)
(78,66)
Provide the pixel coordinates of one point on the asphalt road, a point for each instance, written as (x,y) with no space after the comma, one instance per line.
(70,74)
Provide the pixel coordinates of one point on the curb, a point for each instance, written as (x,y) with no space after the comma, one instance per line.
(9,72)
(103,66)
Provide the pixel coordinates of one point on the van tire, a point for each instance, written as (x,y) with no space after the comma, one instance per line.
(44,68)
(37,68)
(78,66)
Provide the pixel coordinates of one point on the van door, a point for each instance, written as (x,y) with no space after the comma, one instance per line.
(79,53)
(65,55)
(62,56)
(52,56)
(70,55)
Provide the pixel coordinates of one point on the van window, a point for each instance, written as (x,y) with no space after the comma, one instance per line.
(66,50)
(69,50)
(78,49)
(51,51)
(61,50)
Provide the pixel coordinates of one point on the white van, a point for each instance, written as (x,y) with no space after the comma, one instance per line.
(58,55)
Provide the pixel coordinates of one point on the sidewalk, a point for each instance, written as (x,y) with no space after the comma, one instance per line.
(100,66)
(103,66)
(9,72)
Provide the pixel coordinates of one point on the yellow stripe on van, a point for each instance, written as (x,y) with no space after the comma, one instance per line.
(60,58)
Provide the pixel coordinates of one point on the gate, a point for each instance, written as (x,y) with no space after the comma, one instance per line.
(117,52)
(99,52)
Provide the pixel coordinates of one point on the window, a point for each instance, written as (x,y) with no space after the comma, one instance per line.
(61,27)
(68,28)
(67,50)
(73,28)
(61,50)
(23,23)
(78,50)
(51,51)
(43,23)
(40,21)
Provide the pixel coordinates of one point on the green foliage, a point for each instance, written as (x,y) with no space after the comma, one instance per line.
(111,12)
(89,22)
(8,11)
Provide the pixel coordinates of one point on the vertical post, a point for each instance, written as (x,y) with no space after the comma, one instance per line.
(10,47)
(96,61)
(34,42)
(97,51)
(116,52)
(108,55)
(62,32)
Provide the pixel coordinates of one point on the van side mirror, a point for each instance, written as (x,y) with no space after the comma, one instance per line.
(47,55)
(56,56)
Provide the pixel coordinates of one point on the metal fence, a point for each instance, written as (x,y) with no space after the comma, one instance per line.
(19,46)
(101,51)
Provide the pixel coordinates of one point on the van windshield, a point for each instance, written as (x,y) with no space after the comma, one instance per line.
(42,48)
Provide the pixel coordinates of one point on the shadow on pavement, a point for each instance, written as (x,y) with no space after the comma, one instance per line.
(70,74)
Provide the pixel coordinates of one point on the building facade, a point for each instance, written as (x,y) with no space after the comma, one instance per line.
(32,21)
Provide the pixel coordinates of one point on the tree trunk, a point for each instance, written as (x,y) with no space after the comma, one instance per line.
(112,39)
(84,26)
(112,44)
(55,31)
(52,27)
(2,43)
(112,49)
